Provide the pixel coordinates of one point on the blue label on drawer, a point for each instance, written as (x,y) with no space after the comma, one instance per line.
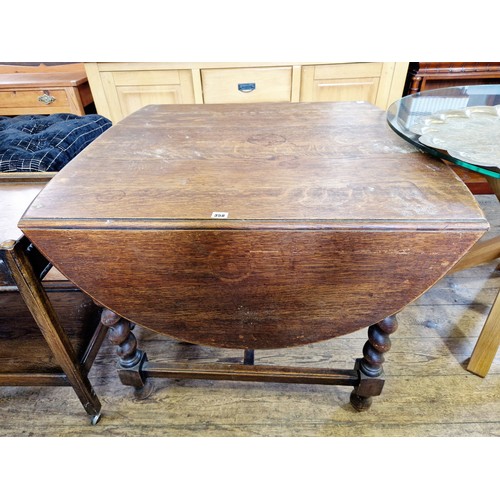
(246,87)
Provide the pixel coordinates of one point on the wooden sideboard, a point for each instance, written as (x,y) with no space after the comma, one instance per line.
(119,89)
(432,75)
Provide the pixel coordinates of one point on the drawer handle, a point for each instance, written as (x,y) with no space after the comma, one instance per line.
(246,87)
(46,98)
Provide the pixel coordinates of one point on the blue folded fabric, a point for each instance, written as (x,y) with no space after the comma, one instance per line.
(38,143)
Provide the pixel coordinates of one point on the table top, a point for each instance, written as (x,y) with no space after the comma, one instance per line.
(36,80)
(254,226)
(241,165)
(458,124)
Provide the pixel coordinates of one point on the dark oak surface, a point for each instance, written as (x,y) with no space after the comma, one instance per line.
(308,162)
(428,391)
(334,223)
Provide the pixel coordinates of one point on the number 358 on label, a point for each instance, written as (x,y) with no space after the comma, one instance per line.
(220,215)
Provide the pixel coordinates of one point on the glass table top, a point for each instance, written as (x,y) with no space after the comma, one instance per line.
(458,124)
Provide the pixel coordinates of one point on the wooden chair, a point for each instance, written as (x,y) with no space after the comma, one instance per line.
(489,340)
(50,331)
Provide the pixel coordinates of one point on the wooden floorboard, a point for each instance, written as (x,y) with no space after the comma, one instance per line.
(428,391)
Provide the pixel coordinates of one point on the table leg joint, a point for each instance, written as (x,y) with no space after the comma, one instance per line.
(369,366)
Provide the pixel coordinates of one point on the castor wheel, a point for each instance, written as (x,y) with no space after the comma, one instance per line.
(94,419)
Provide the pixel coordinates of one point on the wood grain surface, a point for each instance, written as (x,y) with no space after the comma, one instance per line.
(329,162)
(428,391)
(332,222)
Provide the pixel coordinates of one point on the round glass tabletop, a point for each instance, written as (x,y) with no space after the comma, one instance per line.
(458,124)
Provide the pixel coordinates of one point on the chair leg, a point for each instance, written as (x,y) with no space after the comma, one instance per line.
(487,343)
(481,253)
(35,297)
(489,340)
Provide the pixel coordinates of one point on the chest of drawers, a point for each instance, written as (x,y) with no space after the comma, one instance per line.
(44,93)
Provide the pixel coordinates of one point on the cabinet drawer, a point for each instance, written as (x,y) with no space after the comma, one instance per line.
(171,77)
(341,82)
(235,85)
(352,70)
(29,99)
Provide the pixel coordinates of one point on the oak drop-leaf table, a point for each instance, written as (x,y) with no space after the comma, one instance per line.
(254,226)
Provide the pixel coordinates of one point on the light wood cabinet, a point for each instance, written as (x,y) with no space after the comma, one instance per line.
(119,89)
(378,83)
